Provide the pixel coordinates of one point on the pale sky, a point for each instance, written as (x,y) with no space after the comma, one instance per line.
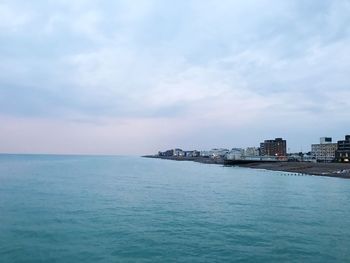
(135,77)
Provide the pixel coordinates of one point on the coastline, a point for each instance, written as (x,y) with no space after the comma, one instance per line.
(188,159)
(338,170)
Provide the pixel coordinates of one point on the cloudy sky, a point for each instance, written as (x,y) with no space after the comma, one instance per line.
(132,77)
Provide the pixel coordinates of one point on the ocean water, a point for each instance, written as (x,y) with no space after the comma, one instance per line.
(132,209)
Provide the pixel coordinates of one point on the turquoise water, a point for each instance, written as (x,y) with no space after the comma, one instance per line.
(130,209)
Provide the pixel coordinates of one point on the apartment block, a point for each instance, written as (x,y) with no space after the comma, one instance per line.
(276,147)
(343,152)
(325,150)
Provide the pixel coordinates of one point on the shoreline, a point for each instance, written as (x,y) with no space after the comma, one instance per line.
(338,170)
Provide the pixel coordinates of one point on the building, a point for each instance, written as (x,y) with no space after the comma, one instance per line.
(325,140)
(205,154)
(167,153)
(276,147)
(234,154)
(343,152)
(194,153)
(218,153)
(178,152)
(252,151)
(215,153)
(325,150)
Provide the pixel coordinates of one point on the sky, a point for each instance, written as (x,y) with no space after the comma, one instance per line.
(135,77)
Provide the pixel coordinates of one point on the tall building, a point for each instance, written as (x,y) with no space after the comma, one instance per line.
(276,147)
(325,150)
(343,152)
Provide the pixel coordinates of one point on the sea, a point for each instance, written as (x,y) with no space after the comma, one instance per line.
(56,208)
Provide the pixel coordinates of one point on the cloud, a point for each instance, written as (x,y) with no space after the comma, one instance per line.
(219,68)
(12,19)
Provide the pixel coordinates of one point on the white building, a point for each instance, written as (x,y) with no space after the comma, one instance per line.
(251,151)
(192,153)
(214,153)
(205,153)
(221,152)
(235,154)
(325,150)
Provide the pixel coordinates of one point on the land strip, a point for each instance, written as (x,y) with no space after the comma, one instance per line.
(320,169)
(341,170)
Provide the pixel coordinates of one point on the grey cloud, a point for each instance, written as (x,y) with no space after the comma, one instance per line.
(194,59)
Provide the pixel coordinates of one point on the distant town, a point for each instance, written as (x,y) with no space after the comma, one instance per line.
(270,150)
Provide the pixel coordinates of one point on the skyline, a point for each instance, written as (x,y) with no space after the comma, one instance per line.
(96,77)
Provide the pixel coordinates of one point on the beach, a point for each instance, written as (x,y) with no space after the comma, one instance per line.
(320,169)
